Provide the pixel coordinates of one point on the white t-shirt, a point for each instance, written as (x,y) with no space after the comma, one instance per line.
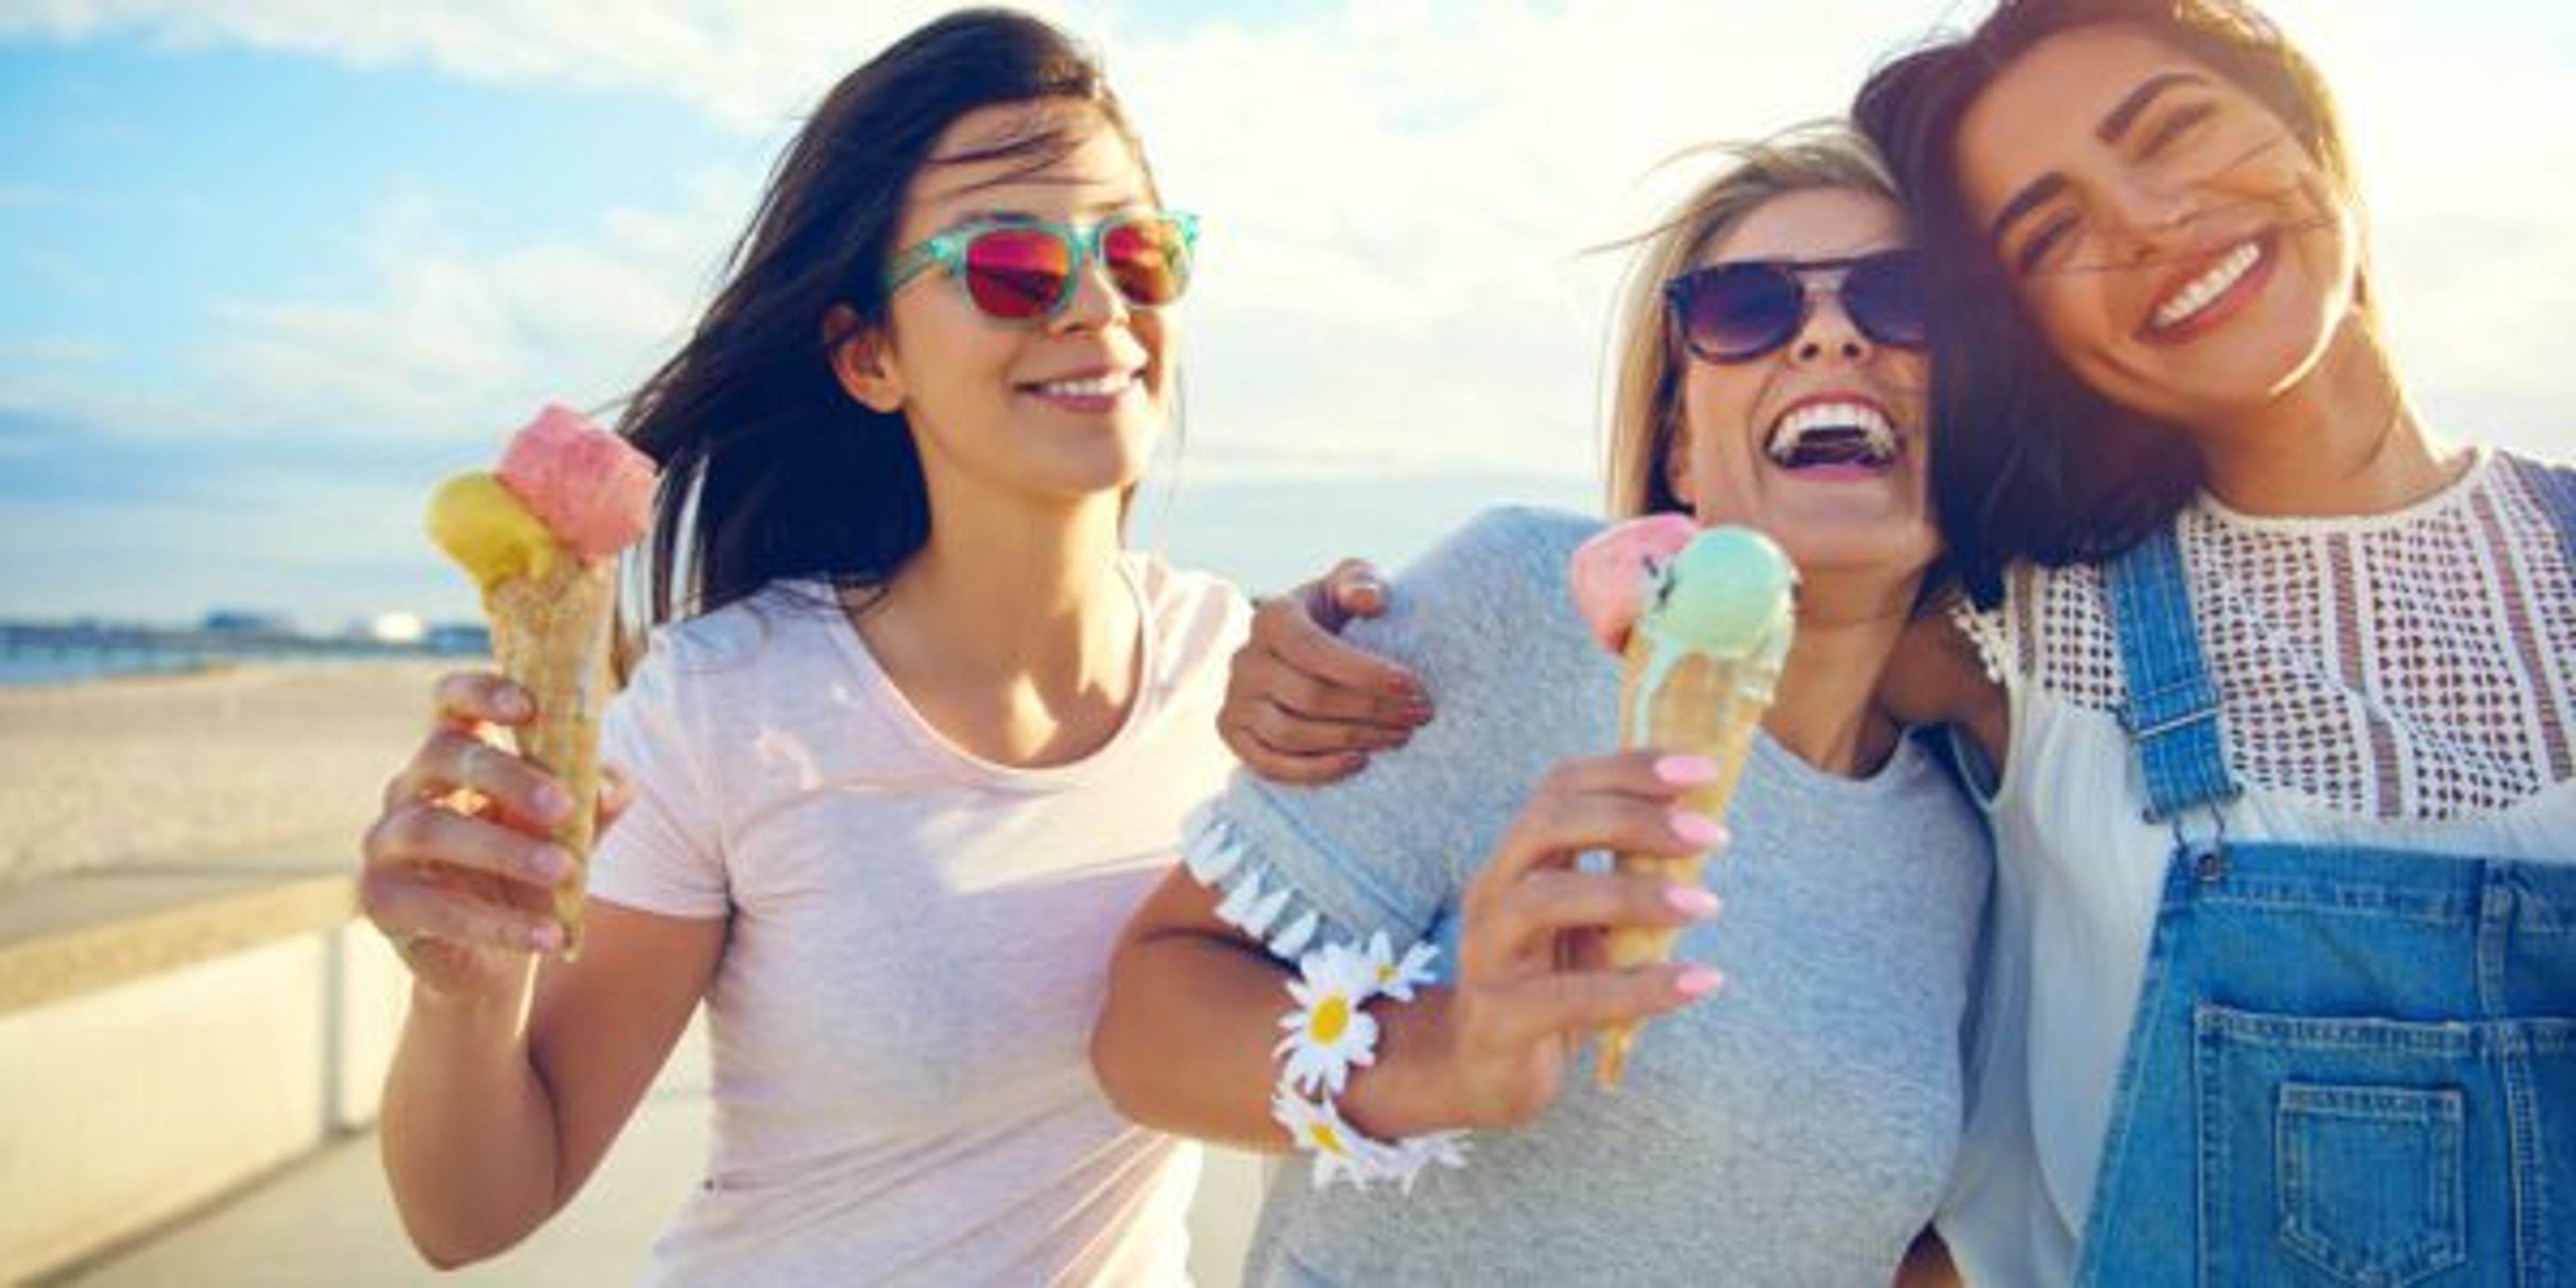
(917,950)
(2399,681)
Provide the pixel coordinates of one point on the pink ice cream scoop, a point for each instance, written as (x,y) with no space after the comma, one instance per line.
(1614,568)
(590,488)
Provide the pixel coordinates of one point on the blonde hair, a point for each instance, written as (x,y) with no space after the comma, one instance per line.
(1649,358)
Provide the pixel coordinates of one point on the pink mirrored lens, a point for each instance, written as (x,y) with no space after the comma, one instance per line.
(1017,273)
(1148,259)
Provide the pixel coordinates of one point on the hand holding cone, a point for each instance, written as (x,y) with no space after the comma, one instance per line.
(540,536)
(1702,621)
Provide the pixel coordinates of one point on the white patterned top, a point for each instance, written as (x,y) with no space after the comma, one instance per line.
(2397,681)
(2413,665)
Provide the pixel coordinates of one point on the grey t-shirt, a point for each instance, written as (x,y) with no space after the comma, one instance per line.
(1796,1128)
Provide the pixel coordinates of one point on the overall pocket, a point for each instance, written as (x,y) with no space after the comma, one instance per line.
(2334,1150)
(2368,1180)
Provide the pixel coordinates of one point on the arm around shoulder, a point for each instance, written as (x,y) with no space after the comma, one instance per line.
(1198,983)
(1938,675)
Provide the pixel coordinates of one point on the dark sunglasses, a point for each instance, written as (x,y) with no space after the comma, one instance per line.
(1025,270)
(1739,311)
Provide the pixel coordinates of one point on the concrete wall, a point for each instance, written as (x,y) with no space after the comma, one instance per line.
(165,1044)
(139,1091)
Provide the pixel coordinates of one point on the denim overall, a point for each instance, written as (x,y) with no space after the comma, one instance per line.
(2348,1066)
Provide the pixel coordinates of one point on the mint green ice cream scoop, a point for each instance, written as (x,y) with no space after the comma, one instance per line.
(1727,593)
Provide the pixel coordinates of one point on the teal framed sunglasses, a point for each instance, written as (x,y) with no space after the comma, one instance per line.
(1025,270)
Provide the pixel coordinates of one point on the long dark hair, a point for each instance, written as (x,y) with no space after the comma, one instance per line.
(2031,463)
(769,468)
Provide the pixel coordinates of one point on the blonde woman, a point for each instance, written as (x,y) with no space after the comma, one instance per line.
(1799,1126)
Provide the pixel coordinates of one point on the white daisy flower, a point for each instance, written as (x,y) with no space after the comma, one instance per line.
(1328,1033)
(1396,977)
(1339,1150)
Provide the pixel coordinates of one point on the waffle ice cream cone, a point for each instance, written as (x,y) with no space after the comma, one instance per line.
(550,634)
(1702,622)
(1700,705)
(540,536)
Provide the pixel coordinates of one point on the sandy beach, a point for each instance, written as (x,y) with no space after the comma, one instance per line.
(219,766)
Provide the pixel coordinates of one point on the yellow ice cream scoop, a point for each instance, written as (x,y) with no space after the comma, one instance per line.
(487,530)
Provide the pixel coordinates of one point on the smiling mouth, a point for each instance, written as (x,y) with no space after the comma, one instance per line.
(1837,433)
(2197,295)
(1107,384)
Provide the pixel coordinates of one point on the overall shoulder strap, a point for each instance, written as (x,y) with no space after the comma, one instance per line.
(2172,715)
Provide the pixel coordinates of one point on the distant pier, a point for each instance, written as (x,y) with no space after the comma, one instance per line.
(108,648)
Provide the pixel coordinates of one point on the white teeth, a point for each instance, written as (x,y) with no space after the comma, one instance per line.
(1102,386)
(1879,436)
(2190,300)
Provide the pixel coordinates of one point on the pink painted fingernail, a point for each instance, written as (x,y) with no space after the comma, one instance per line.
(1698,981)
(1696,830)
(552,803)
(1686,771)
(1691,901)
(550,862)
(545,937)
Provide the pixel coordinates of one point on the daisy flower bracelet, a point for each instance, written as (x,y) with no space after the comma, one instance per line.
(1330,1033)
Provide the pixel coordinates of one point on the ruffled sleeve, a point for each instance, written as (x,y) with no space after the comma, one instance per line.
(1487,623)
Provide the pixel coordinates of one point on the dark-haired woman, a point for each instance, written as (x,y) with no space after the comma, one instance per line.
(2283,980)
(913,736)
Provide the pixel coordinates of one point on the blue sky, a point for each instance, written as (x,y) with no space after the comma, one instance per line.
(268,269)
(150,197)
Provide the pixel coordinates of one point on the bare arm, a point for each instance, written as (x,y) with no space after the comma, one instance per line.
(1183,1043)
(498,1106)
(1936,677)
(1185,1038)
(491,1126)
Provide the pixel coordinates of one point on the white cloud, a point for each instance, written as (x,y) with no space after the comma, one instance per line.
(746,64)
(443,342)
(448,339)
(1396,213)
(1398,197)
(1400,193)
(318,548)
(56,351)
